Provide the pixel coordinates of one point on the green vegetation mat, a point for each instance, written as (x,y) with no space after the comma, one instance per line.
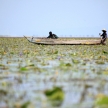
(52,76)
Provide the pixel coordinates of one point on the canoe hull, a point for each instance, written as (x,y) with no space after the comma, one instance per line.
(46,41)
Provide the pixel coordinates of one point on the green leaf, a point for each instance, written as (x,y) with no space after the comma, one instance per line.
(105,52)
(56,52)
(75,61)
(23,69)
(68,64)
(55,96)
(25,105)
(4,92)
(102,101)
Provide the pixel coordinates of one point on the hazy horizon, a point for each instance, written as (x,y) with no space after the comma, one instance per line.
(85,36)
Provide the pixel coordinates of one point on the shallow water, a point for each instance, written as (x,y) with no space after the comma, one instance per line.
(27,70)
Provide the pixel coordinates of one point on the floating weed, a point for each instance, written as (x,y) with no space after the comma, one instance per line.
(2,52)
(68,64)
(65,66)
(24,105)
(31,64)
(105,72)
(101,101)
(26,52)
(36,69)
(11,52)
(4,84)
(3,92)
(75,61)
(23,69)
(99,62)
(55,95)
(44,64)
(103,57)
(105,52)
(74,54)
(62,64)
(8,62)
(34,59)
(1,64)
(56,52)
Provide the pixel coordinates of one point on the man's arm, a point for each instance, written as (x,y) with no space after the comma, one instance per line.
(55,35)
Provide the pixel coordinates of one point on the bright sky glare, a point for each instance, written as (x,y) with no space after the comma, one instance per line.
(62,17)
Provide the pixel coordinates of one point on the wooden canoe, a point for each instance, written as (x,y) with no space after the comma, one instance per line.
(66,41)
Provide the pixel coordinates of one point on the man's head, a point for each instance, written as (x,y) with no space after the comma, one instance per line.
(50,32)
(104,30)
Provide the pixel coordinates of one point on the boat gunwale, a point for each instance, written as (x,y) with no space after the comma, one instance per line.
(97,41)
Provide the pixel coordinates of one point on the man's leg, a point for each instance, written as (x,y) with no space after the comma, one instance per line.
(103,41)
(49,37)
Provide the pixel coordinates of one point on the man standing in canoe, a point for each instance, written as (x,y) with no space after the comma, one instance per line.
(53,36)
(103,36)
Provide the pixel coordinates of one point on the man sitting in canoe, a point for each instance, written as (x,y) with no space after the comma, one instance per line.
(103,36)
(53,36)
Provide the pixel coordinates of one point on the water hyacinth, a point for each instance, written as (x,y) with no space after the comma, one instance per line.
(47,76)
